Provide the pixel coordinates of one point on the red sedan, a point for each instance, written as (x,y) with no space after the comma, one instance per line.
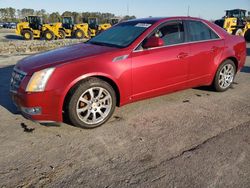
(133,60)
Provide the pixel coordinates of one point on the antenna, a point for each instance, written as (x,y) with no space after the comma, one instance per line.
(188,10)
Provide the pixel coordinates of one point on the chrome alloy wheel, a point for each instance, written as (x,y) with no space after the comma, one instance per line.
(94,105)
(226,76)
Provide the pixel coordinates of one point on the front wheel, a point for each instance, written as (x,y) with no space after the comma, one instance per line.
(91,104)
(27,35)
(224,76)
(79,34)
(49,35)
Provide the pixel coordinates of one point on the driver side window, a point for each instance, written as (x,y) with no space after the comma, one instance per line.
(171,33)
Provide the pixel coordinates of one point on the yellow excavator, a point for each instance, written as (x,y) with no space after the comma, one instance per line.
(95,28)
(70,29)
(235,22)
(114,21)
(33,28)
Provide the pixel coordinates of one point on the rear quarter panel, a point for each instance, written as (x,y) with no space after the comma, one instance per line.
(235,47)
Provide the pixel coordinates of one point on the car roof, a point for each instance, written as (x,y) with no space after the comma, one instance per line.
(157,20)
(162,19)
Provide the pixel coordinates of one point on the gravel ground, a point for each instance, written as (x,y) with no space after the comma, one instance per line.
(192,138)
(10,43)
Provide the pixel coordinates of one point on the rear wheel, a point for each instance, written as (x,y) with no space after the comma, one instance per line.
(91,104)
(224,76)
(239,32)
(247,35)
(79,34)
(49,35)
(62,34)
(27,35)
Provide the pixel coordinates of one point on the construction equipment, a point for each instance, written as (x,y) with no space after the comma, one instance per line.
(114,21)
(235,23)
(95,28)
(33,28)
(70,29)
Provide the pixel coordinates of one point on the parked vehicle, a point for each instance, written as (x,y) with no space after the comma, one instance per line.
(1,25)
(235,22)
(70,29)
(131,61)
(9,25)
(34,28)
(95,27)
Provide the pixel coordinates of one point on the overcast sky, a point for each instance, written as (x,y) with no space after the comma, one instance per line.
(208,9)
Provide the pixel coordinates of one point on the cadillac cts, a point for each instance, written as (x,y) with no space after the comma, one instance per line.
(133,60)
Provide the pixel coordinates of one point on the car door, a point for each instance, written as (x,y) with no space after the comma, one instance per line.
(205,47)
(161,69)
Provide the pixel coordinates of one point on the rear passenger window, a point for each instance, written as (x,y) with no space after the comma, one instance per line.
(198,31)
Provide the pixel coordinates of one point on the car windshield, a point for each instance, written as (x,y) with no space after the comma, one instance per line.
(121,35)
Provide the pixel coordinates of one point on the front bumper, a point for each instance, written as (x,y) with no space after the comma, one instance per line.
(42,107)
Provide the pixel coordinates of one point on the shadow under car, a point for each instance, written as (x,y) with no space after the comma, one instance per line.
(5,99)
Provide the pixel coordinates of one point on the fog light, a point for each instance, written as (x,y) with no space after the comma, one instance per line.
(32,111)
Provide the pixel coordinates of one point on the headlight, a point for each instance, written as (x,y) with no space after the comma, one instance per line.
(39,80)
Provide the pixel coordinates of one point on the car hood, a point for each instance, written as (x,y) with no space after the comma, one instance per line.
(59,56)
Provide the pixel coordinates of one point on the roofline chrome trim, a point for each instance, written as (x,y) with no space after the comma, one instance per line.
(177,45)
(220,38)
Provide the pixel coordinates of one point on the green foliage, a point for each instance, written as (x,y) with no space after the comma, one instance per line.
(54,17)
(13,15)
(7,14)
(127,17)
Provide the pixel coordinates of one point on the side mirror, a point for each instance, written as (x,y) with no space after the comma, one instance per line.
(153,42)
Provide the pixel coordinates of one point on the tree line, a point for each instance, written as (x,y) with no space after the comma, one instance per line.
(16,15)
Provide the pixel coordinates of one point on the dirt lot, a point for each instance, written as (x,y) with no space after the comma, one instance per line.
(10,43)
(192,138)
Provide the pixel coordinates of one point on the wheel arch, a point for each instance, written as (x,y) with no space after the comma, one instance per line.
(234,59)
(61,29)
(25,29)
(78,81)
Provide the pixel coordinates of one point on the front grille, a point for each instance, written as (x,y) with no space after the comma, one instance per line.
(16,79)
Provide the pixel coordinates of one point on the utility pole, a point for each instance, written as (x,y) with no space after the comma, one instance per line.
(128,7)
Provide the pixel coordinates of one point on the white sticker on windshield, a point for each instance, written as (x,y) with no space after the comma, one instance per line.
(143,25)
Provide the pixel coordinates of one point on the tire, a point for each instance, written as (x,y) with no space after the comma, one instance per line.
(82,108)
(62,34)
(27,35)
(89,34)
(238,32)
(224,77)
(247,35)
(49,35)
(79,34)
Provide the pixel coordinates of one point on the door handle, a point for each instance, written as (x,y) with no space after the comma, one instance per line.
(182,55)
